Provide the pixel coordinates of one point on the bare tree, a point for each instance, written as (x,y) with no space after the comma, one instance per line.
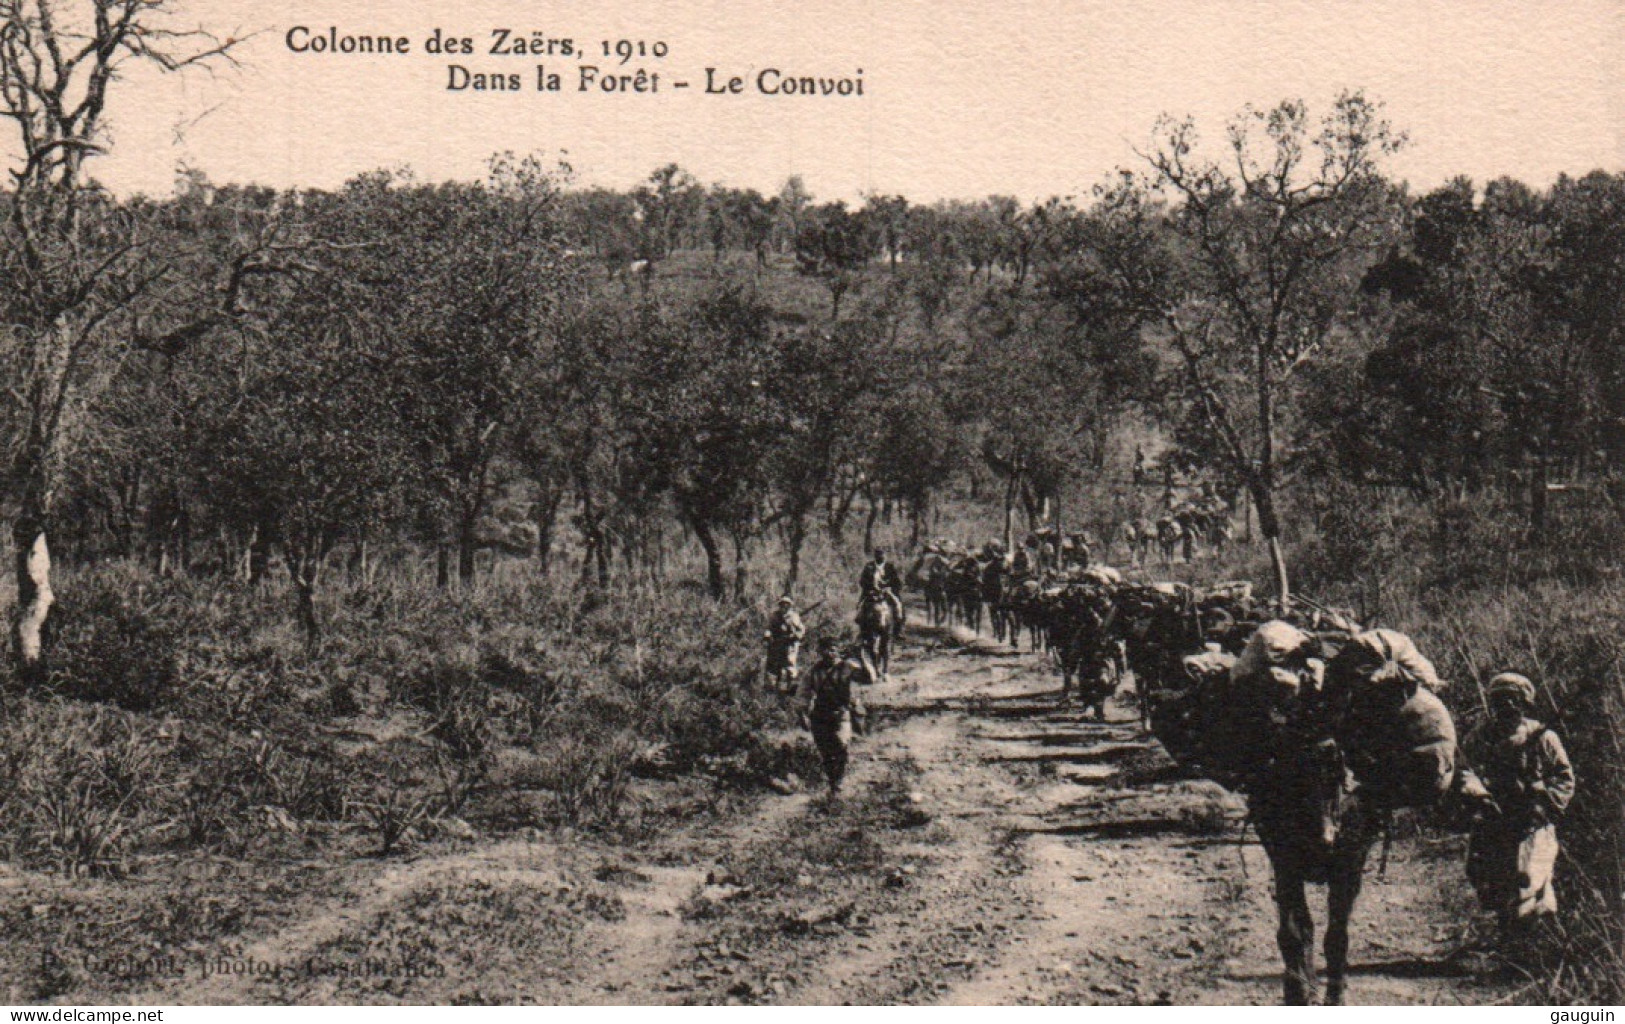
(79,270)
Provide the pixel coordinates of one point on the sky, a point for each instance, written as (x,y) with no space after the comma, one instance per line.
(961,99)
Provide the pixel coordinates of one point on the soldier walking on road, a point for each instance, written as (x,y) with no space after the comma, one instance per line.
(831,708)
(1527,782)
(784,635)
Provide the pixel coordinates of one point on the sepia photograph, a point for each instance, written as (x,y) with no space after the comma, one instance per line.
(849,502)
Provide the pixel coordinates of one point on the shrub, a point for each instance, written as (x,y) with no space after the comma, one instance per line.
(119,639)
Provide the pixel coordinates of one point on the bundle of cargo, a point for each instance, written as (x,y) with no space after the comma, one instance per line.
(1376,698)
(1266,698)
(1104,575)
(1397,735)
(1182,721)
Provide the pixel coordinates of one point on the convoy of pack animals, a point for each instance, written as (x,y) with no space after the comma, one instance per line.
(1326,727)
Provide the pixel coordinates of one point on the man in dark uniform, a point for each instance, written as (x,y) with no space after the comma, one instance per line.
(831,708)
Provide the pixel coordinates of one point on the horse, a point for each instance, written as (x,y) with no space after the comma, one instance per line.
(992,596)
(1157,626)
(1315,825)
(964,586)
(931,574)
(1025,608)
(875,632)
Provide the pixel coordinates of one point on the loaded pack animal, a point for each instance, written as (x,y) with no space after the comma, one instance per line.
(1192,525)
(1074,551)
(994,575)
(1325,735)
(1025,608)
(1084,643)
(965,591)
(930,574)
(1158,625)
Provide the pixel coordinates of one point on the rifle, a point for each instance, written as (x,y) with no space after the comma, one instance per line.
(1335,616)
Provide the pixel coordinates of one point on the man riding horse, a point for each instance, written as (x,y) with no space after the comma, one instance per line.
(880,576)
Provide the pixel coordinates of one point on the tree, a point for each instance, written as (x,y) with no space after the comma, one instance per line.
(1503,356)
(889,216)
(705,423)
(83,280)
(1271,252)
(670,203)
(471,283)
(791,205)
(828,390)
(834,246)
(1038,400)
(303,437)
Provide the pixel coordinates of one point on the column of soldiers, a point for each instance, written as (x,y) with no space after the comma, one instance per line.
(1512,803)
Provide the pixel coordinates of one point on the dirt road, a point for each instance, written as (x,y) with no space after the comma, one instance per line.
(994,847)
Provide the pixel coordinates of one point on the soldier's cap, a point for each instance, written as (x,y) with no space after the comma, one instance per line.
(787,599)
(1512,684)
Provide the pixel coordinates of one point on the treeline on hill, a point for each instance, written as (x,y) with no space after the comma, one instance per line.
(342,395)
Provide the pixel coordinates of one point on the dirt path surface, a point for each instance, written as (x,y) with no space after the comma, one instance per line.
(993,847)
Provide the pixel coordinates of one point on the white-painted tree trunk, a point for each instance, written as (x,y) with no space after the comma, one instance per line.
(34,596)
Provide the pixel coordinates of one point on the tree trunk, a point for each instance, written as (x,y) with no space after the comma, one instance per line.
(34,597)
(796,538)
(1010,513)
(127,498)
(302,568)
(713,558)
(842,508)
(869,525)
(741,574)
(243,571)
(259,552)
(545,513)
(442,566)
(467,548)
(603,552)
(361,563)
(1537,499)
(1270,527)
(588,551)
